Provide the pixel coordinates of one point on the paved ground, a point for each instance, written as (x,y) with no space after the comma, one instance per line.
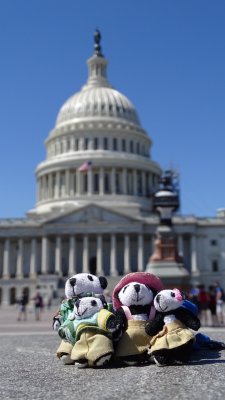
(29,370)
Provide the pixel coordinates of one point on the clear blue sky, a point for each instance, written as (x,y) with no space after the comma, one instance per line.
(167,56)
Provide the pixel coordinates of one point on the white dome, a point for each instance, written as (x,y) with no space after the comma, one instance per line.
(98,102)
(97,99)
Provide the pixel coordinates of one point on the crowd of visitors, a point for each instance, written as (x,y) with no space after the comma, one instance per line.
(210,302)
(38,305)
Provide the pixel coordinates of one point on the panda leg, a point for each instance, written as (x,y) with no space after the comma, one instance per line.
(162,358)
(103,360)
(65,358)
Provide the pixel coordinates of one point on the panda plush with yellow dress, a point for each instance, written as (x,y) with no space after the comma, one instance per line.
(75,286)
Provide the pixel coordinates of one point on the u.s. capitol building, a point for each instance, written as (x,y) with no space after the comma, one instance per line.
(94,203)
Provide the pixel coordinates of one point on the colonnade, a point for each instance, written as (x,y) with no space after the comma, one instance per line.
(69,183)
(46,254)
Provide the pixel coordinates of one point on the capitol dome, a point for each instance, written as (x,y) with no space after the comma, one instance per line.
(97,99)
(99,128)
(95,102)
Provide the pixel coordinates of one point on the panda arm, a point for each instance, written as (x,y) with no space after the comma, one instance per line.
(188,319)
(155,326)
(121,318)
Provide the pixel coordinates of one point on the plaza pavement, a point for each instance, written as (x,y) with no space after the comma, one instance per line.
(29,369)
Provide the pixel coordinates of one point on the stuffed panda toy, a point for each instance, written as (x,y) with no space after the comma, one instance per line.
(133,304)
(75,286)
(89,329)
(171,339)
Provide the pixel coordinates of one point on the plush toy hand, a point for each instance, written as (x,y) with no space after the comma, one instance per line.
(113,324)
(155,326)
(56,323)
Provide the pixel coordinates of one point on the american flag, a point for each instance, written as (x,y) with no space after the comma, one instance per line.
(85,166)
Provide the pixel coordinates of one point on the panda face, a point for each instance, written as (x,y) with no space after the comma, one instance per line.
(86,307)
(135,293)
(84,282)
(168,300)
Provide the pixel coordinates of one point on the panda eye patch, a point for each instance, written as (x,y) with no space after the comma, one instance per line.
(90,278)
(172,294)
(93,302)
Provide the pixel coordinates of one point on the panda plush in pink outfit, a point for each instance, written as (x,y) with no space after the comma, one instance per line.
(133,298)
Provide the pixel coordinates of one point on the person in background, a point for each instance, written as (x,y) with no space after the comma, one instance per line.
(38,306)
(212,305)
(203,300)
(22,307)
(193,295)
(220,303)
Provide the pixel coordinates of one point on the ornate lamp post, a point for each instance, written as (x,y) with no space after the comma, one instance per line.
(165,260)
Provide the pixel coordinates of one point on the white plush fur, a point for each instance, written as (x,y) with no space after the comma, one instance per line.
(86,307)
(84,283)
(168,300)
(135,293)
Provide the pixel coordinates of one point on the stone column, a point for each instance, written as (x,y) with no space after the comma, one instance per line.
(38,189)
(44,186)
(101,182)
(113,181)
(72,256)
(78,183)
(126,254)
(124,181)
(99,256)
(6,259)
(143,183)
(194,267)
(113,269)
(33,259)
(135,182)
(140,253)
(44,255)
(19,261)
(90,182)
(85,254)
(50,186)
(67,183)
(58,256)
(57,185)
(180,245)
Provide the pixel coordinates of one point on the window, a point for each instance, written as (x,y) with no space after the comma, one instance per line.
(68,145)
(115,144)
(123,145)
(131,146)
(85,183)
(139,183)
(86,141)
(117,183)
(215,266)
(106,183)
(105,143)
(96,183)
(77,144)
(138,148)
(95,143)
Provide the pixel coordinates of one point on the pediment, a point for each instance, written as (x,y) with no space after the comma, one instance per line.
(90,214)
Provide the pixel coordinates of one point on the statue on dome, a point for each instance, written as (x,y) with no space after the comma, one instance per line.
(97,40)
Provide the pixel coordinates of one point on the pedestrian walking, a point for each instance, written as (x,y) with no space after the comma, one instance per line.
(220,303)
(38,306)
(22,312)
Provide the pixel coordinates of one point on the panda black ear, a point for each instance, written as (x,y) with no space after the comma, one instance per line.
(103,282)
